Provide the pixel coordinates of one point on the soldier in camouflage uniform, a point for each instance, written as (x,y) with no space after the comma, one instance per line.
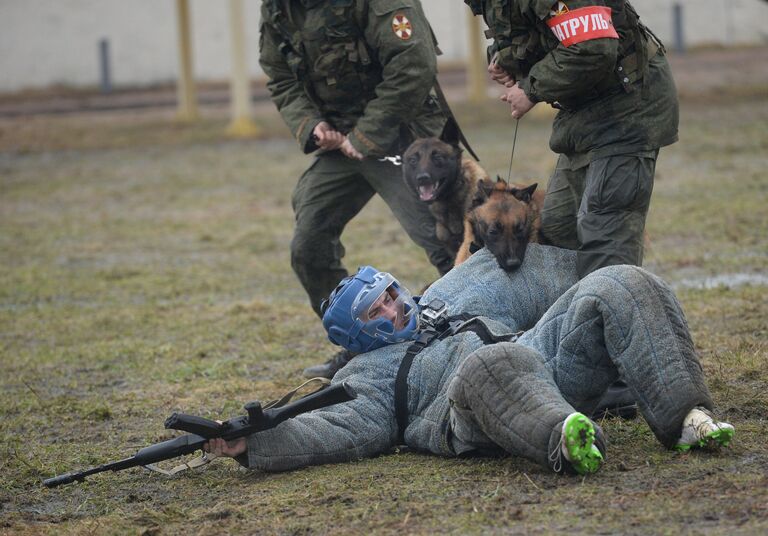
(352,80)
(607,74)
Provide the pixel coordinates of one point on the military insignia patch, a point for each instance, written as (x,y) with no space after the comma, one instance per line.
(402,26)
(558,9)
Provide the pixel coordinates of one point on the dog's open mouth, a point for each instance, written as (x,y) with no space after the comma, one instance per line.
(428,191)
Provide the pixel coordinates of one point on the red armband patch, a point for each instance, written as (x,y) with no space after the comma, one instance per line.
(583,24)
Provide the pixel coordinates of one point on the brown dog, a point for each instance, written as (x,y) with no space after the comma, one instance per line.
(435,171)
(504,218)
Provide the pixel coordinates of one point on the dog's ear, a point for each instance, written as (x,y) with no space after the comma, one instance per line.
(486,186)
(524,194)
(501,185)
(477,239)
(484,189)
(450,133)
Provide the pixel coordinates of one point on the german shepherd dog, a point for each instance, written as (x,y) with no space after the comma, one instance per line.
(435,171)
(504,218)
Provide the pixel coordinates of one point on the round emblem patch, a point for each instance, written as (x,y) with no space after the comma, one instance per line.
(559,9)
(402,26)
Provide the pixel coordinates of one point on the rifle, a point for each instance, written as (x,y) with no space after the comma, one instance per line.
(201,430)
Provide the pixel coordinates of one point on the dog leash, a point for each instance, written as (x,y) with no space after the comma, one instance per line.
(512,156)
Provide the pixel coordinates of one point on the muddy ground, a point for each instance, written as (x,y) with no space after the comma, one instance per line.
(145,270)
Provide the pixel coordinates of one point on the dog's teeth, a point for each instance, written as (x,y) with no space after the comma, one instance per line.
(426,192)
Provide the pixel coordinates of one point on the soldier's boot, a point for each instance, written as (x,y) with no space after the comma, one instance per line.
(330,367)
(701,430)
(578,451)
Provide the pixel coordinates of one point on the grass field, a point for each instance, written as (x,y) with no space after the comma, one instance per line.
(145,269)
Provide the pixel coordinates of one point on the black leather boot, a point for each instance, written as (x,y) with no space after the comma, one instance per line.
(330,367)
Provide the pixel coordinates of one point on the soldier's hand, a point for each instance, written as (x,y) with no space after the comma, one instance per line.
(518,101)
(349,150)
(229,449)
(501,76)
(326,137)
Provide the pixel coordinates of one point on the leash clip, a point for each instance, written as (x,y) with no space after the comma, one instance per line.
(394,160)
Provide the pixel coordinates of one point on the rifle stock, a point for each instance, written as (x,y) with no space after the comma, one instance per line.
(202,430)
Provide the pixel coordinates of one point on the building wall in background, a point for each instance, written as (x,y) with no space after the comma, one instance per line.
(47,42)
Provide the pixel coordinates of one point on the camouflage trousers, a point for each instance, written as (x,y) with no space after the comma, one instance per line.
(332,191)
(600,209)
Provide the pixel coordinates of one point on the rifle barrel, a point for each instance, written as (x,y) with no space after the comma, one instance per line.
(80,475)
(239,427)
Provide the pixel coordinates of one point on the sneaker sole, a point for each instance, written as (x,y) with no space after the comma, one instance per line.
(579,439)
(718,438)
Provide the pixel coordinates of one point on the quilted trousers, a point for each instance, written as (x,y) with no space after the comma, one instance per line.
(618,322)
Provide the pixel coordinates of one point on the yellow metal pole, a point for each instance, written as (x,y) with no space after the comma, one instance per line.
(241,126)
(476,72)
(185,89)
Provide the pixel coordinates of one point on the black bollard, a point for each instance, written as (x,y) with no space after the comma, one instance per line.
(677,27)
(104,66)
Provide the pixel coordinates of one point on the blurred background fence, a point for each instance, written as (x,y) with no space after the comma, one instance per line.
(118,43)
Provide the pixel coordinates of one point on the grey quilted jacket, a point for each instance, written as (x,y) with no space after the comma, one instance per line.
(366,426)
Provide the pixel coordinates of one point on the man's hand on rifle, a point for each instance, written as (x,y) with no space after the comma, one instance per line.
(229,449)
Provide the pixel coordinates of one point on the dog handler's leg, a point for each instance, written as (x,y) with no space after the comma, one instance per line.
(558,215)
(386,179)
(328,195)
(507,392)
(611,217)
(565,194)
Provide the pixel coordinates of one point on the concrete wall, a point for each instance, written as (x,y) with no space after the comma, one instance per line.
(45,42)
(709,22)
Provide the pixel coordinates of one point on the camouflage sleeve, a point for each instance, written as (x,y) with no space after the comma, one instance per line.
(570,71)
(288,94)
(398,32)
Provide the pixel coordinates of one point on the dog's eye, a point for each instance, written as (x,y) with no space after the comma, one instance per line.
(413,160)
(494,231)
(438,158)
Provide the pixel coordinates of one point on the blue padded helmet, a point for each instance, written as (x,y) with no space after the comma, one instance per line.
(350,320)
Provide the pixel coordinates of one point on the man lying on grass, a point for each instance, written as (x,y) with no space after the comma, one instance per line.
(479,387)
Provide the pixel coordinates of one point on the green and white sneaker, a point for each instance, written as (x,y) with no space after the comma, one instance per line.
(578,444)
(701,430)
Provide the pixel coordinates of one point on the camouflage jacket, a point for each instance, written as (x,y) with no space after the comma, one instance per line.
(364,66)
(597,63)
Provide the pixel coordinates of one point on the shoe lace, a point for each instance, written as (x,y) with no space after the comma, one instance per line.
(704,426)
(556,456)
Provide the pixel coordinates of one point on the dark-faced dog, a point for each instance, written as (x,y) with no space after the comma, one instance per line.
(435,171)
(504,218)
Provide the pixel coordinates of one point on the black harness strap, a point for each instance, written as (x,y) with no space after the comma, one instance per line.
(481,330)
(454,325)
(401,382)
